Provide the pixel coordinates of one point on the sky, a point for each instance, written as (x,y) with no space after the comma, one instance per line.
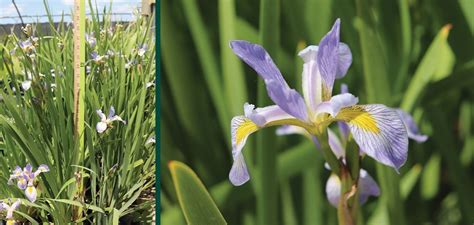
(36,8)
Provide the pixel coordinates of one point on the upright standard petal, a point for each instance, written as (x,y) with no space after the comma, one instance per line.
(412,128)
(328,59)
(379,132)
(11,208)
(311,82)
(111,112)
(345,60)
(102,116)
(278,90)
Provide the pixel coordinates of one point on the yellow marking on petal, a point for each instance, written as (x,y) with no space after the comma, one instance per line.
(245,128)
(356,115)
(10,222)
(30,190)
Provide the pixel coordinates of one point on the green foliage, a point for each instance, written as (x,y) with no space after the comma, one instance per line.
(402,57)
(36,125)
(196,203)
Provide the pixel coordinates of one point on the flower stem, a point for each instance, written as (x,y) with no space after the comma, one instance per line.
(328,154)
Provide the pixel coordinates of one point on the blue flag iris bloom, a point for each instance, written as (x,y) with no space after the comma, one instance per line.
(377,129)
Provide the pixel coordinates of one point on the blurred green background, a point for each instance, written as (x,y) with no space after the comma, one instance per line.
(413,54)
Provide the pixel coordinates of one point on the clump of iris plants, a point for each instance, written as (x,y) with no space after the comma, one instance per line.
(372,130)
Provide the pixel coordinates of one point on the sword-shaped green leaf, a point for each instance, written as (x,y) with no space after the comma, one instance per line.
(196,203)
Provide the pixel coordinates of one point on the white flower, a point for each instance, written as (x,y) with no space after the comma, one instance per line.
(106,121)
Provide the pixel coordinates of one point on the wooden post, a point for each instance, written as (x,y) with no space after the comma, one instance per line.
(79,88)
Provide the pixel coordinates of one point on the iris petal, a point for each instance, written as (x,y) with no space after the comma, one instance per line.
(241,128)
(102,116)
(333,190)
(101,127)
(41,169)
(311,78)
(26,85)
(335,144)
(262,116)
(379,132)
(111,112)
(412,128)
(278,90)
(239,173)
(367,186)
(328,59)
(345,60)
(336,103)
(31,193)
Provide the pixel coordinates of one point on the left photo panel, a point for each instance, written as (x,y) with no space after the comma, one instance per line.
(77,112)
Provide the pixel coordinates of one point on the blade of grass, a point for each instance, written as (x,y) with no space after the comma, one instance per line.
(208,62)
(430,63)
(288,206)
(267,197)
(233,76)
(445,143)
(313,200)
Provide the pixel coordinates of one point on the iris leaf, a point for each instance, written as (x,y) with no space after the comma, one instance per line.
(196,203)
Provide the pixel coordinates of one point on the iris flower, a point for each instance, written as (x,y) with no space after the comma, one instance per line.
(106,121)
(10,209)
(142,50)
(98,59)
(26,179)
(27,83)
(377,129)
(28,47)
(90,39)
(151,140)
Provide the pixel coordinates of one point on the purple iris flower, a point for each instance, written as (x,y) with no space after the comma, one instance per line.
(28,46)
(377,129)
(106,121)
(90,39)
(98,59)
(25,179)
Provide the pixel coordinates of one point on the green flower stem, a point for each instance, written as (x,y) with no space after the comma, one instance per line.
(328,154)
(353,159)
